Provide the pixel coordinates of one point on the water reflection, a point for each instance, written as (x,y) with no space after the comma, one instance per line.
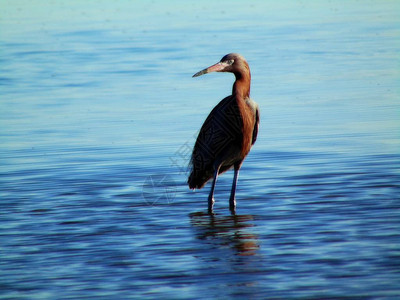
(229,251)
(226,231)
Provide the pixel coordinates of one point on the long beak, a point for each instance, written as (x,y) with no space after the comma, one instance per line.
(218,67)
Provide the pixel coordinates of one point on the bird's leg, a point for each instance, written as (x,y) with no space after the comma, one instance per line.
(232,201)
(211,195)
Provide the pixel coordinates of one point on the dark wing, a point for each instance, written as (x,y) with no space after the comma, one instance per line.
(256,125)
(220,130)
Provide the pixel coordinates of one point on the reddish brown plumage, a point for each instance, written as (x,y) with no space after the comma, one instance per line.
(229,131)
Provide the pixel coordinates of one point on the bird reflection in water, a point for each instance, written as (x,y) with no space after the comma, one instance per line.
(226,231)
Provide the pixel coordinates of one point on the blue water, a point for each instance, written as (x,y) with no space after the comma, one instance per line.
(98,114)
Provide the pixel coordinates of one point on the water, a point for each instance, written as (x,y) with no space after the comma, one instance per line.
(97,121)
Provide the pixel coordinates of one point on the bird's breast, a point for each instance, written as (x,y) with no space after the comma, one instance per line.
(247,108)
(252,104)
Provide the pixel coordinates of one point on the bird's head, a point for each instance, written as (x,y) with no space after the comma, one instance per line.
(232,62)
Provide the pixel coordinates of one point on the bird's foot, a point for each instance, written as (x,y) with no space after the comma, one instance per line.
(211,202)
(232,205)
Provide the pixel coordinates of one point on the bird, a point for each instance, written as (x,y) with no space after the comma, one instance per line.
(228,133)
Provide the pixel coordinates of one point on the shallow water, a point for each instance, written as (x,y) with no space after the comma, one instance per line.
(97,122)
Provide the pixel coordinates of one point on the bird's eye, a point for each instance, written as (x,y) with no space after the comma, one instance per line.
(230,62)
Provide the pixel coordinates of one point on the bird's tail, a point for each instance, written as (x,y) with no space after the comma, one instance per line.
(198,179)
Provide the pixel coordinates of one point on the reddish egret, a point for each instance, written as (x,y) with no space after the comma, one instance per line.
(228,132)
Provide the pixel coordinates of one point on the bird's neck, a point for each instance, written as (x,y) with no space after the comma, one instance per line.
(241,87)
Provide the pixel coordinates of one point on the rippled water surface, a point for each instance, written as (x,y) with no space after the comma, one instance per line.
(98,114)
